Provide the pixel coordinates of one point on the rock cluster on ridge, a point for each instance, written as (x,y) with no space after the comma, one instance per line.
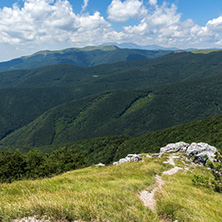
(200,151)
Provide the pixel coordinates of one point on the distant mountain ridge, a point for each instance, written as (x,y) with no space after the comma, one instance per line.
(84,57)
(131,45)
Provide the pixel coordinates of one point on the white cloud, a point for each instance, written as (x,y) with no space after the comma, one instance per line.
(85,4)
(41,21)
(163,26)
(153,2)
(122,11)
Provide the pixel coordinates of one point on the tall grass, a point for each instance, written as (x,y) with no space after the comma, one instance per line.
(109,193)
(180,200)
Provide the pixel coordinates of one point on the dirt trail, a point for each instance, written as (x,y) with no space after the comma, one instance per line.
(148,197)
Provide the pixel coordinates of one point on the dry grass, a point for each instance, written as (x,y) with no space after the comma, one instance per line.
(111,193)
(88,194)
(180,200)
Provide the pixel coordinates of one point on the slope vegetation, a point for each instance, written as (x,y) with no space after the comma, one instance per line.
(179,88)
(96,194)
(130,113)
(20,106)
(170,68)
(112,148)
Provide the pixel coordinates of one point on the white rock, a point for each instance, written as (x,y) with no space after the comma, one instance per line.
(196,148)
(174,147)
(115,163)
(100,165)
(209,154)
(123,160)
(129,158)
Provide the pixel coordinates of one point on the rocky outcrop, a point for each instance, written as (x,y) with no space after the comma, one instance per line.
(174,147)
(129,158)
(200,151)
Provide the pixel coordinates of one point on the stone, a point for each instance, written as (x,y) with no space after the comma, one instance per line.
(174,147)
(100,165)
(129,158)
(124,160)
(196,148)
(155,155)
(115,163)
(134,157)
(201,157)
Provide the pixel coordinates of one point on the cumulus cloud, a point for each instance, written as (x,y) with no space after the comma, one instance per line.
(41,21)
(122,11)
(153,2)
(163,26)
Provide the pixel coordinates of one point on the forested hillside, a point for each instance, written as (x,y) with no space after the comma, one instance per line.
(173,67)
(64,103)
(130,113)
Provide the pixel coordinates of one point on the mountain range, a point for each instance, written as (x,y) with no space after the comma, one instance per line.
(62,103)
(84,57)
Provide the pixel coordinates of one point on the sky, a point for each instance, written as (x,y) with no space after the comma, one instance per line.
(28,26)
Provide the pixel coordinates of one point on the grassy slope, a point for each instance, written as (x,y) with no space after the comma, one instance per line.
(180,200)
(111,193)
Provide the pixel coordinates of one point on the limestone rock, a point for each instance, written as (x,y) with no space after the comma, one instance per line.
(115,163)
(201,150)
(196,148)
(100,165)
(174,147)
(129,158)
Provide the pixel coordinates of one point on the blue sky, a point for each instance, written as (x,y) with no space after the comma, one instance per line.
(27,26)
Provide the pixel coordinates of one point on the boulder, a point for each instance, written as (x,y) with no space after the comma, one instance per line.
(115,163)
(124,160)
(134,157)
(100,165)
(174,147)
(129,158)
(196,148)
(202,152)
